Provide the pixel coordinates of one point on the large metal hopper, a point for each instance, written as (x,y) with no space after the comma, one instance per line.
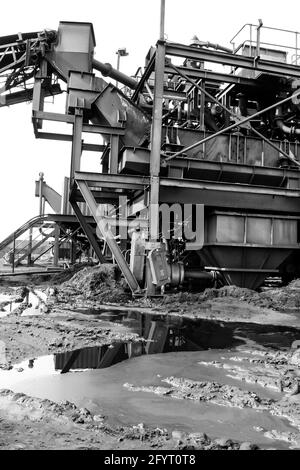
(246,248)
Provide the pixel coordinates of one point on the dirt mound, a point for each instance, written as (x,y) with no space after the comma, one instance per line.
(295,359)
(41,409)
(211,294)
(67,274)
(295,284)
(284,299)
(235,292)
(102,283)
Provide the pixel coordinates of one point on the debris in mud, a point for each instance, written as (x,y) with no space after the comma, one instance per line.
(287,406)
(212,293)
(226,395)
(41,409)
(67,274)
(66,421)
(291,438)
(101,283)
(285,299)
(62,332)
(270,369)
(295,358)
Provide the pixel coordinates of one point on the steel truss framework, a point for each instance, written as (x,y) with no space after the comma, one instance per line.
(98,188)
(165,179)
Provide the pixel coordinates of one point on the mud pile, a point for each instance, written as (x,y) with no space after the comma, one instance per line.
(278,370)
(41,409)
(211,294)
(99,283)
(284,299)
(103,283)
(67,274)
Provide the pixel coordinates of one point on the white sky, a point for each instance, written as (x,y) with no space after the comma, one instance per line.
(133,24)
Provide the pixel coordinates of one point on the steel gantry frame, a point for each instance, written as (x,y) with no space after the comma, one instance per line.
(160,64)
(93,187)
(164,180)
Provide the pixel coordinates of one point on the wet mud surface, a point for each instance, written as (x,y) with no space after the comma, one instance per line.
(215,370)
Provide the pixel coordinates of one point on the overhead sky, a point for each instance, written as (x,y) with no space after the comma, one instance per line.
(133,24)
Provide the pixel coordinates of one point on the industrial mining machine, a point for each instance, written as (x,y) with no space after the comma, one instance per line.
(203,140)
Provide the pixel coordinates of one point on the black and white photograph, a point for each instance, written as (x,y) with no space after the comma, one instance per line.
(150,228)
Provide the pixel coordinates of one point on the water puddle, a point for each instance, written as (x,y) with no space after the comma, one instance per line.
(102,391)
(32,304)
(94,377)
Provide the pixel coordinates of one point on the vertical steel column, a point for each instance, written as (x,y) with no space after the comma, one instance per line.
(14,254)
(56,245)
(227,115)
(29,251)
(156,134)
(88,231)
(113,154)
(41,180)
(202,109)
(157,128)
(65,197)
(38,96)
(156,140)
(73,251)
(258,31)
(118,67)
(76,142)
(162,19)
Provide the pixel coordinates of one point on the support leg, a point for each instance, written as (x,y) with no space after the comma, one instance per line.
(56,245)
(88,231)
(108,237)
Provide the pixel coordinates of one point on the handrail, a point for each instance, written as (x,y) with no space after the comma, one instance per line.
(239,31)
(24,245)
(248,41)
(258,28)
(30,223)
(264,27)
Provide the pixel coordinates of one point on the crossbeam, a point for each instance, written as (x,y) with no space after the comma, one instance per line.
(108,236)
(234,60)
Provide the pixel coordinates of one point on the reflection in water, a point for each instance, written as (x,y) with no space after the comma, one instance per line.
(32,304)
(31,363)
(161,334)
(165,334)
(103,392)
(185,345)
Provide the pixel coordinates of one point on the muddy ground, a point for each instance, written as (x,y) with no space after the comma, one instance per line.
(61,324)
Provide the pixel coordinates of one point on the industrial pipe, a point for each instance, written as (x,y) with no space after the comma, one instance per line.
(211,45)
(179,273)
(107,70)
(199,275)
(291,130)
